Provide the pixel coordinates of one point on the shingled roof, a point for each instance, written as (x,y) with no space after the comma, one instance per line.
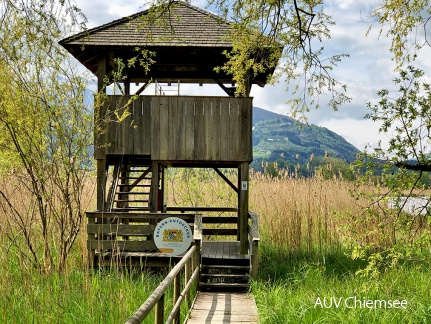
(181,25)
(189,43)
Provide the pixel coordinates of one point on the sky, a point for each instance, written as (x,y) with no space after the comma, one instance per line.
(368,69)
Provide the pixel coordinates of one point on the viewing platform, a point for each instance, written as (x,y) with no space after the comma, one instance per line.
(176,128)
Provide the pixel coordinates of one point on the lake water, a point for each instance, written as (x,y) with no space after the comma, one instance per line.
(413,205)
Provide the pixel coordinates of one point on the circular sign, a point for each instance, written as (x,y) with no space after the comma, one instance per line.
(173,236)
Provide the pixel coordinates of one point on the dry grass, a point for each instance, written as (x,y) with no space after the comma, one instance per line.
(300,213)
(294,214)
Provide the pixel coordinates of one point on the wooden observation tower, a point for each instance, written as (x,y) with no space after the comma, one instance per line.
(138,137)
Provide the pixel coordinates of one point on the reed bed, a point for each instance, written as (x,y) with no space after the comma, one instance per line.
(294,213)
(298,217)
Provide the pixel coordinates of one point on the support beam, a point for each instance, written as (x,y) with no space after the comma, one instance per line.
(226,179)
(101,72)
(248,82)
(230,91)
(141,89)
(154,192)
(127,86)
(101,184)
(164,189)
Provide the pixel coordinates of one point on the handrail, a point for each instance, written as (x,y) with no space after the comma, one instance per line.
(156,299)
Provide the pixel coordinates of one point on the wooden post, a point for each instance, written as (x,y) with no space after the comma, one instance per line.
(91,252)
(238,225)
(188,268)
(243,207)
(127,86)
(154,192)
(160,310)
(125,174)
(164,189)
(101,184)
(177,292)
(101,71)
(101,164)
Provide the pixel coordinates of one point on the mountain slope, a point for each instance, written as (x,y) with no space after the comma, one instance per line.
(275,135)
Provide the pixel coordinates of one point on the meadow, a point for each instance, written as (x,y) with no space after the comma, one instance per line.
(304,263)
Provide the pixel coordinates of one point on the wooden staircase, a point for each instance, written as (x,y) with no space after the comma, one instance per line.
(130,189)
(223,268)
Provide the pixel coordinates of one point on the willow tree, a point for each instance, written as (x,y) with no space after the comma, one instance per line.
(285,35)
(46,134)
(396,223)
(298,28)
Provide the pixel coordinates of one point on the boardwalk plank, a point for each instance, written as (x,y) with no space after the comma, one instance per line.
(223,308)
(222,250)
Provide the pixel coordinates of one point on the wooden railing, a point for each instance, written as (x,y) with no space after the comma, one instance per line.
(254,238)
(190,263)
(121,232)
(175,128)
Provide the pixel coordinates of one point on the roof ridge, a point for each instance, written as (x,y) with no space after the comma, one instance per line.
(204,11)
(138,14)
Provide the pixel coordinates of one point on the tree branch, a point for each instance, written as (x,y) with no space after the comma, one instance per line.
(414,167)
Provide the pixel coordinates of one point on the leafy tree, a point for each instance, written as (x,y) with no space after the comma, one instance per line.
(46,133)
(281,35)
(386,235)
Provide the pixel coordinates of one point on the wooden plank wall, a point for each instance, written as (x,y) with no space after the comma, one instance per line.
(178,128)
(125,232)
(123,126)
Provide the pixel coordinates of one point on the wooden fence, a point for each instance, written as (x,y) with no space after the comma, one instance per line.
(122,232)
(190,264)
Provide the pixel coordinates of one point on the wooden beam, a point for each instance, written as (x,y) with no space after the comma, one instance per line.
(230,91)
(142,176)
(248,82)
(101,72)
(101,184)
(226,179)
(154,192)
(127,86)
(141,89)
(202,209)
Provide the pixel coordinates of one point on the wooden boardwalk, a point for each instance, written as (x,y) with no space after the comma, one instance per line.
(222,250)
(223,308)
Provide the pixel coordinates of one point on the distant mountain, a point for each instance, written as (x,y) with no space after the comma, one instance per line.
(278,136)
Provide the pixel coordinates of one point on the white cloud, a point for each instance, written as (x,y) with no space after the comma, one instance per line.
(360,133)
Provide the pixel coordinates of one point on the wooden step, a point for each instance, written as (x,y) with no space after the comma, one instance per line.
(136,185)
(222,275)
(127,209)
(224,266)
(135,178)
(131,201)
(132,193)
(223,286)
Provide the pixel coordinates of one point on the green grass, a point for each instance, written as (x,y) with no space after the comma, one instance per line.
(288,291)
(75,296)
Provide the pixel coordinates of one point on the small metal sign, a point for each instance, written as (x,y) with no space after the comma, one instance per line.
(244,185)
(173,236)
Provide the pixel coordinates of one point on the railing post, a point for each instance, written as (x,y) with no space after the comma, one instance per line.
(197,236)
(177,290)
(91,261)
(160,310)
(188,268)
